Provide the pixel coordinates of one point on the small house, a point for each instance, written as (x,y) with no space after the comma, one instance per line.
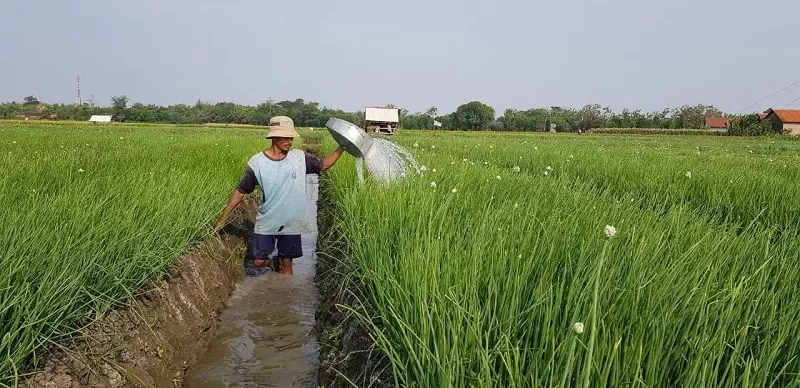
(716,123)
(100,119)
(381,119)
(785,120)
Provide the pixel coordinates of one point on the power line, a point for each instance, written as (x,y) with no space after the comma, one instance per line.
(789,105)
(767,97)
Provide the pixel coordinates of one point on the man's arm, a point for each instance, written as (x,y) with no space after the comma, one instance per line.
(330,160)
(246,186)
(236,198)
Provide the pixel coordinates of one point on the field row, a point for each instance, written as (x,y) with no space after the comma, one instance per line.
(484,271)
(92,213)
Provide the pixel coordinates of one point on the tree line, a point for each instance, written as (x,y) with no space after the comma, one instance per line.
(473,115)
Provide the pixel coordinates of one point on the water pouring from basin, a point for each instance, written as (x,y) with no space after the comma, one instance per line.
(386,161)
(354,139)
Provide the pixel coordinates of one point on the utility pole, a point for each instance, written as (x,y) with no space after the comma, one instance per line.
(79,89)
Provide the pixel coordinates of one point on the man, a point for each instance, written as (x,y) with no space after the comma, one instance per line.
(281,174)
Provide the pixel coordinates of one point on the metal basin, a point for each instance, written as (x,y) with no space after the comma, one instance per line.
(354,139)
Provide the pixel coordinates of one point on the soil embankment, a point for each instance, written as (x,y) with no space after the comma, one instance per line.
(154,338)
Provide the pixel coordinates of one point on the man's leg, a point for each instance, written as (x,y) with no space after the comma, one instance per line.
(286,266)
(289,247)
(261,247)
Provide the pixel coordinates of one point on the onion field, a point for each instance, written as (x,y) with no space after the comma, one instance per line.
(582,260)
(91,213)
(514,260)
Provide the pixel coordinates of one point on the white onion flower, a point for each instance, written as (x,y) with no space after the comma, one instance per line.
(610,231)
(498,177)
(80,170)
(515,169)
(688,174)
(548,168)
(577,327)
(416,144)
(434,170)
(423,168)
(454,190)
(433,184)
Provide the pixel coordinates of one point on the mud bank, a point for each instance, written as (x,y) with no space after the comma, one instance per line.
(156,337)
(347,354)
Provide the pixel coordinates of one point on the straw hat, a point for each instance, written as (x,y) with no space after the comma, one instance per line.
(281,126)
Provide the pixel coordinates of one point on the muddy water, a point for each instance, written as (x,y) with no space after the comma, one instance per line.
(265,336)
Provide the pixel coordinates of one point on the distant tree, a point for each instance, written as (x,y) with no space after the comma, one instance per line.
(416,121)
(473,115)
(693,116)
(446,120)
(591,116)
(432,111)
(30,100)
(119,103)
(496,125)
(750,125)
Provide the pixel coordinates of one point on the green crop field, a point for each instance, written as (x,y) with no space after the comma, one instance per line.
(494,268)
(90,213)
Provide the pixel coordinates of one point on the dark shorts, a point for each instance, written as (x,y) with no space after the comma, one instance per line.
(289,246)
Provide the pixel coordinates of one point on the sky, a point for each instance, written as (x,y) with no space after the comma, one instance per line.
(637,54)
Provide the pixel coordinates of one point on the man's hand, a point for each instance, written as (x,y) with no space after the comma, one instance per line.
(236,197)
(219,224)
